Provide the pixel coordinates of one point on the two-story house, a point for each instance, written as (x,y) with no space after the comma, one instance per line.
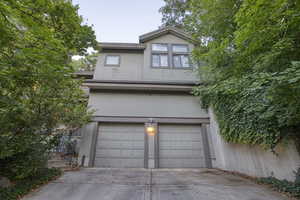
(145,115)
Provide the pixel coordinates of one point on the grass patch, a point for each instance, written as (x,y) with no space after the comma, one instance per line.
(24,186)
(290,188)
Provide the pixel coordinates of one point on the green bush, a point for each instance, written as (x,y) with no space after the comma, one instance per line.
(282,186)
(24,164)
(24,186)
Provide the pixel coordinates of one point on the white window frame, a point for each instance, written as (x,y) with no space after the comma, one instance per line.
(181,54)
(112,65)
(160,53)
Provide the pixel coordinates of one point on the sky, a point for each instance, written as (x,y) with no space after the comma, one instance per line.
(121,20)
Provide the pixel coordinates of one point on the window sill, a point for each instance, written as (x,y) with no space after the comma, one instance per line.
(175,68)
(111,65)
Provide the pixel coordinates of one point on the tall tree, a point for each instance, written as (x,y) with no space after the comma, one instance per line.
(174,12)
(85,63)
(37,91)
(251,72)
(253,59)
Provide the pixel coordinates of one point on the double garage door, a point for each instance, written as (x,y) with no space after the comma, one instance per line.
(125,146)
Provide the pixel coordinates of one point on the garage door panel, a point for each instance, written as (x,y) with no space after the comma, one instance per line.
(120,145)
(180,146)
(121,136)
(179,137)
(167,136)
(115,153)
(174,148)
(181,163)
(165,154)
(178,128)
(119,162)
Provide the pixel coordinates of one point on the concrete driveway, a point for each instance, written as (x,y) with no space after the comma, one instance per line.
(143,184)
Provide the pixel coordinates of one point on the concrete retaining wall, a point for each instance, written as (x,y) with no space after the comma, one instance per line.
(253,160)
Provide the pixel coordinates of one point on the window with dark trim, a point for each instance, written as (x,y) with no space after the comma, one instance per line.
(181,56)
(112,60)
(160,55)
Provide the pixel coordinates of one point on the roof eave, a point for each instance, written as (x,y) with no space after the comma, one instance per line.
(84,74)
(122,46)
(168,30)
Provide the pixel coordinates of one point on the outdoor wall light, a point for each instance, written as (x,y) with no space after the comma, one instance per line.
(151,128)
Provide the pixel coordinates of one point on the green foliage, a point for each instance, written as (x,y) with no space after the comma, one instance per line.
(37,91)
(282,186)
(24,186)
(24,164)
(250,73)
(86,63)
(260,108)
(174,12)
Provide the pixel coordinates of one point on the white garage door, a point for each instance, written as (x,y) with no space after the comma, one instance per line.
(120,146)
(180,146)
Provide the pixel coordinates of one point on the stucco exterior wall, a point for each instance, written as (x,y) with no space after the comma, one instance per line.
(145,105)
(253,160)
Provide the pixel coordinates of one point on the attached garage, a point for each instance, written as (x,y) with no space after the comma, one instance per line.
(120,146)
(125,145)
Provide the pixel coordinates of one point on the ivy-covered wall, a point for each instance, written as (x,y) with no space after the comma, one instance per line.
(253,160)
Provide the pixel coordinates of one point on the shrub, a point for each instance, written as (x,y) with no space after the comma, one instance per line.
(24,186)
(282,186)
(24,164)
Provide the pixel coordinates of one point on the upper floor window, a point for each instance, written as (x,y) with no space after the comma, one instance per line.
(180,48)
(180,56)
(160,55)
(112,60)
(160,47)
(181,61)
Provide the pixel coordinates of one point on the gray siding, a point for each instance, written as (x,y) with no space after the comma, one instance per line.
(130,67)
(146,105)
(137,66)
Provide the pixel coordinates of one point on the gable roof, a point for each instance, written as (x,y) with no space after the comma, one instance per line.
(163,31)
(139,47)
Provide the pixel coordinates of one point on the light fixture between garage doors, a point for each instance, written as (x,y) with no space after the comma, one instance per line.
(151,128)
